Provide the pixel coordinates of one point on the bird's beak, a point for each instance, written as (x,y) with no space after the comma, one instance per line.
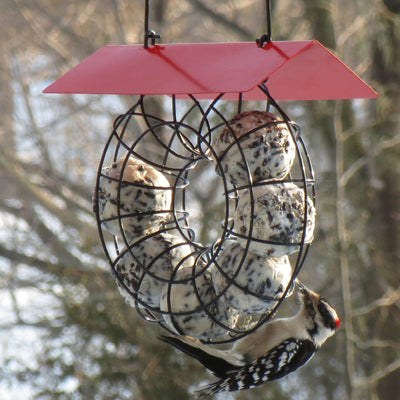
(305,292)
(303,289)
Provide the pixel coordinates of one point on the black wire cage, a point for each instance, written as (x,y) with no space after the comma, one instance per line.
(223,290)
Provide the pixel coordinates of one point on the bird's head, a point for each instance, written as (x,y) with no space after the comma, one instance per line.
(322,319)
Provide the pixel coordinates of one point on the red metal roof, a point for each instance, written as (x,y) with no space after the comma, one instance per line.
(296,70)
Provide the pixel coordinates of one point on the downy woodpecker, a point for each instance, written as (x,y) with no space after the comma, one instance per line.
(269,353)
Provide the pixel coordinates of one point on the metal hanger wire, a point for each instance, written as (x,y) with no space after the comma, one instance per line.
(267,37)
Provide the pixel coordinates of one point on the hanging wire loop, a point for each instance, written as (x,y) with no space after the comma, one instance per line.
(263,40)
(267,37)
(152,35)
(149,33)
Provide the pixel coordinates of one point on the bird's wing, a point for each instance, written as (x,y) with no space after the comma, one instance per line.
(278,362)
(213,362)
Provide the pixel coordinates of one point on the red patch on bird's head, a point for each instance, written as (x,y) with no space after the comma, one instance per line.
(337,322)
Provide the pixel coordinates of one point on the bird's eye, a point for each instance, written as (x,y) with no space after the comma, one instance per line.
(328,318)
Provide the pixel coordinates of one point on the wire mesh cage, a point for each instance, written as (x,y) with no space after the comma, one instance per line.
(222,290)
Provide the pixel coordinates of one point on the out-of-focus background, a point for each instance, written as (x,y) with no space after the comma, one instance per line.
(65,332)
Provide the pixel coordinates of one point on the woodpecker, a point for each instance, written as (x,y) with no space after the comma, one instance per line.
(269,353)
(140,193)
(277,221)
(248,282)
(258,140)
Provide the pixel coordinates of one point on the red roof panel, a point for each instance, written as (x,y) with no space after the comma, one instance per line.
(296,70)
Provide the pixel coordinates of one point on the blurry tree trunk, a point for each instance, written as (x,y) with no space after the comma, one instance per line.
(318,13)
(327,115)
(6,102)
(385,202)
(7,139)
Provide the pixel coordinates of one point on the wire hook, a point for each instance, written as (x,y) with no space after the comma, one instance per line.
(149,33)
(267,37)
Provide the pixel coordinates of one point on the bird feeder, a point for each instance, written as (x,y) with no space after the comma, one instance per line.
(266,175)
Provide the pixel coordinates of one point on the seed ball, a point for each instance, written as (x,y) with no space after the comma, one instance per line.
(250,283)
(143,191)
(267,148)
(277,221)
(142,270)
(191,310)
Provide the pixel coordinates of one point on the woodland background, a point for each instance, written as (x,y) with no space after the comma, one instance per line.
(65,332)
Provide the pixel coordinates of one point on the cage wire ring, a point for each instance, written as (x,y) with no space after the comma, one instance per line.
(224,290)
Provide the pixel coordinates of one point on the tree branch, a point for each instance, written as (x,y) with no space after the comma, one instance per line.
(388,299)
(375,343)
(28,189)
(378,375)
(73,274)
(375,152)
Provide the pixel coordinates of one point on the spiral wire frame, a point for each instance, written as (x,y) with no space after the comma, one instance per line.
(174,147)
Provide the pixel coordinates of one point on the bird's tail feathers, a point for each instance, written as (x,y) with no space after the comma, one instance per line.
(211,389)
(219,362)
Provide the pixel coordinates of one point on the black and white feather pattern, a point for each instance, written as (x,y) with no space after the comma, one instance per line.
(278,362)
